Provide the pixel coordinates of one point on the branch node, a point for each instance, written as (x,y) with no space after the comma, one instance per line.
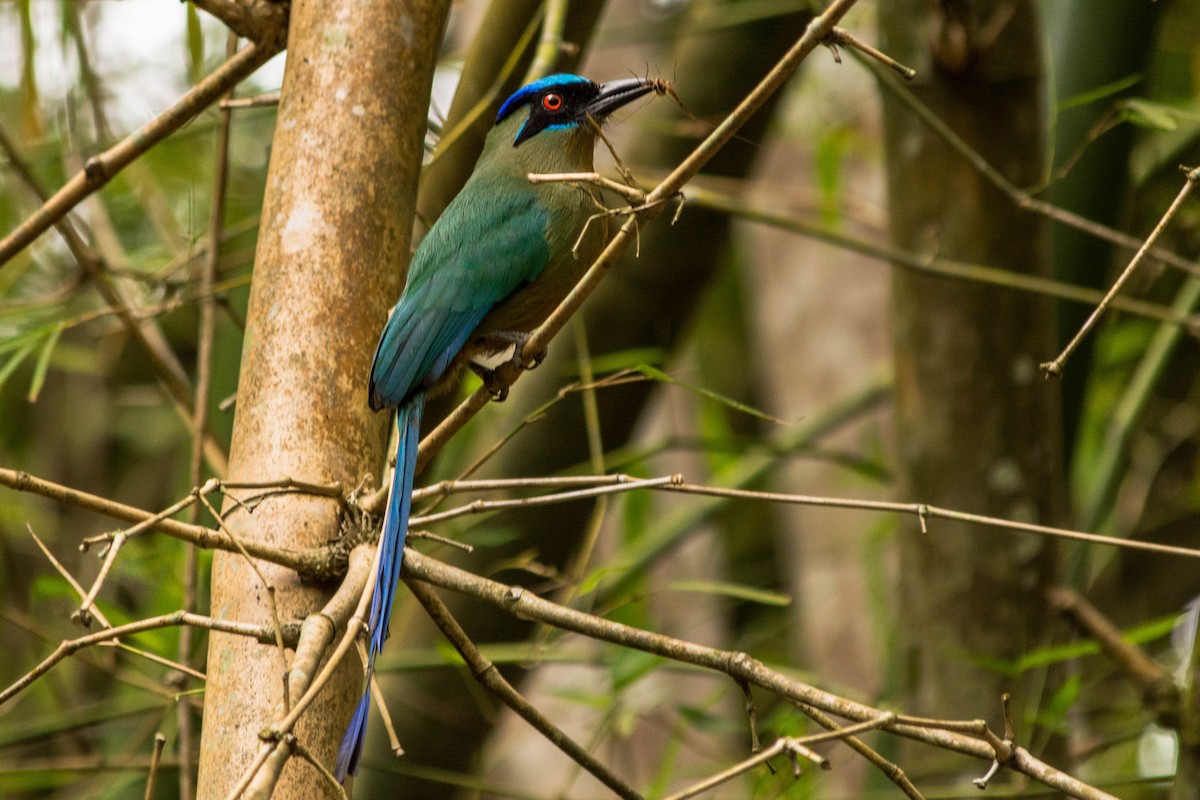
(95,172)
(982,783)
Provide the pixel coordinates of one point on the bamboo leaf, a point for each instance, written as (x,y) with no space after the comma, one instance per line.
(658,375)
(1101,92)
(15,361)
(750,594)
(195,45)
(1146,114)
(43,364)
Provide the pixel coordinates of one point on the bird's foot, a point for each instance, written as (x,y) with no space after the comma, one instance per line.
(499,360)
(514,341)
(494,384)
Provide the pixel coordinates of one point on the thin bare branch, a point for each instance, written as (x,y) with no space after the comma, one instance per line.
(258,782)
(484,506)
(925,512)
(264,634)
(1021,198)
(486,673)
(888,768)
(83,614)
(100,169)
(1054,368)
(1157,686)
(155,759)
(316,563)
(840,36)
(935,265)
(67,576)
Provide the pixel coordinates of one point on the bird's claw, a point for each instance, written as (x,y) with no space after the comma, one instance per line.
(492,382)
(537,359)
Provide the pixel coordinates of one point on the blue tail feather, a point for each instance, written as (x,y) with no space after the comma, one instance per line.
(395,530)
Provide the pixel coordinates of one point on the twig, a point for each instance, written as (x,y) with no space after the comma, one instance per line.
(100,169)
(1054,368)
(1022,199)
(156,756)
(1003,747)
(288,483)
(449,487)
(484,506)
(149,523)
(264,634)
(260,783)
(486,673)
(926,512)
(893,772)
(157,659)
(633,194)
(751,716)
(83,615)
(936,265)
(316,562)
(840,36)
(67,576)
(381,706)
(258,101)
(792,747)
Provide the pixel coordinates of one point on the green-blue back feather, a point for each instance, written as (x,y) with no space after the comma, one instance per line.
(490,242)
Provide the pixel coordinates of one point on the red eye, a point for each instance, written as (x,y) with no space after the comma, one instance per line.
(552,102)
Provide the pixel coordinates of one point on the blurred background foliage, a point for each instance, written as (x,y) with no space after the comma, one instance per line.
(745,355)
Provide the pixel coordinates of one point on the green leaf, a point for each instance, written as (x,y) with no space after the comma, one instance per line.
(195,45)
(15,361)
(1057,654)
(630,665)
(1101,92)
(592,580)
(43,363)
(1053,713)
(750,594)
(627,359)
(658,375)
(1147,114)
(831,158)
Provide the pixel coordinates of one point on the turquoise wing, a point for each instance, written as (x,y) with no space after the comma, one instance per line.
(490,242)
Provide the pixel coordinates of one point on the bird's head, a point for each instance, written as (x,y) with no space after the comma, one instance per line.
(565,102)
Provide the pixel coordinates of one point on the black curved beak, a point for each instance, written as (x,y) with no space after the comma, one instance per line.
(615,94)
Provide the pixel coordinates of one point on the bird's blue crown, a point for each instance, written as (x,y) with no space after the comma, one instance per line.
(525,93)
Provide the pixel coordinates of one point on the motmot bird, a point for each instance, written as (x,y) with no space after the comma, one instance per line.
(493,267)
